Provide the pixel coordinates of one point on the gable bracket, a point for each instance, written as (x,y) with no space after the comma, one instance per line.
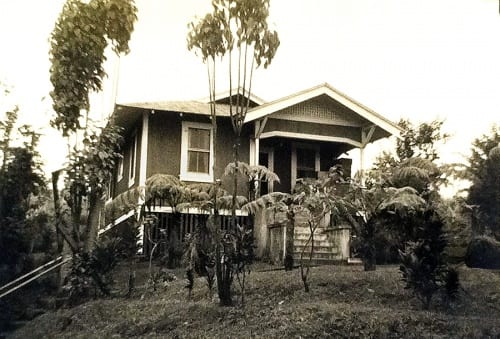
(259,127)
(367,134)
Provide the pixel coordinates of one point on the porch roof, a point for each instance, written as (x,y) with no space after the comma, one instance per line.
(363,117)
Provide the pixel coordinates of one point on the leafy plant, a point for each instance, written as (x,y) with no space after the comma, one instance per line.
(77,53)
(239,246)
(240,27)
(92,271)
(368,210)
(422,262)
(485,191)
(21,184)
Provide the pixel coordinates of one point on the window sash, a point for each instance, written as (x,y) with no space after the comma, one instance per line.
(196,152)
(199,161)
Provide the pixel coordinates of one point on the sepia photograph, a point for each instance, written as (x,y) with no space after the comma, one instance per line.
(249,169)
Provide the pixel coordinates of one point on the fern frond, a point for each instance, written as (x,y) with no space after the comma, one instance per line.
(128,199)
(401,200)
(242,168)
(265,201)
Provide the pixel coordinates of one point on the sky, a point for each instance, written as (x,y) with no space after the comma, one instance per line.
(420,60)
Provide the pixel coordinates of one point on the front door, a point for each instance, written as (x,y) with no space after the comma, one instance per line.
(305,161)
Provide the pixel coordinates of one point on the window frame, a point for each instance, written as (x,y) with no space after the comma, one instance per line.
(132,161)
(186,175)
(119,174)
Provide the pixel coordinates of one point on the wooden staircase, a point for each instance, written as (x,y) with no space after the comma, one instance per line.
(327,245)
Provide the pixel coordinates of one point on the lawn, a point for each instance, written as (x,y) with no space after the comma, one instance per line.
(344,302)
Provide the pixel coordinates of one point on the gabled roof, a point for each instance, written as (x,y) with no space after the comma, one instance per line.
(324,89)
(194,107)
(223,96)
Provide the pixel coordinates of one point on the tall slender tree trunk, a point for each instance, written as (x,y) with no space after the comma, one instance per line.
(96,205)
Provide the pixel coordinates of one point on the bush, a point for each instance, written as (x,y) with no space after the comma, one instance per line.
(483,252)
(91,272)
(129,237)
(422,262)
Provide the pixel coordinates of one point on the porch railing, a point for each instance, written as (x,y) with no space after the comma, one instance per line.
(169,229)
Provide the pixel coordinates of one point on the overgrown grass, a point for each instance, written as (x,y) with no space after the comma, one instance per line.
(344,302)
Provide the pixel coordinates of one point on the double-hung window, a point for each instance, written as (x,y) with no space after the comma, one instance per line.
(196,152)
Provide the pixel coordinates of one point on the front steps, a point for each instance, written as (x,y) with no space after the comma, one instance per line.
(327,249)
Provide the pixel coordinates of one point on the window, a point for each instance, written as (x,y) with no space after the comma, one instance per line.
(119,175)
(132,161)
(196,152)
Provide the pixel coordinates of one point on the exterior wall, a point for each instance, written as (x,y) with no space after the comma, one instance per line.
(164,150)
(122,185)
(164,144)
(225,141)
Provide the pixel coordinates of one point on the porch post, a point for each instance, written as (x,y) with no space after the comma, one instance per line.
(362,165)
(257,150)
(366,136)
(143,165)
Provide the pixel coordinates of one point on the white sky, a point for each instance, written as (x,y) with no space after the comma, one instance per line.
(403,58)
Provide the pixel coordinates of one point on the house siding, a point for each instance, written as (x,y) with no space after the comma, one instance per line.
(123,185)
(164,144)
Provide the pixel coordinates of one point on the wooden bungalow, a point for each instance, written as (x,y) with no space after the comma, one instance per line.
(298,136)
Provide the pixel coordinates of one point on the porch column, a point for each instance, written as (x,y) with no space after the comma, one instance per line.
(362,165)
(254,151)
(366,136)
(143,166)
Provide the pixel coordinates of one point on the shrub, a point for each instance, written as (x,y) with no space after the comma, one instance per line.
(422,262)
(91,272)
(483,252)
(129,236)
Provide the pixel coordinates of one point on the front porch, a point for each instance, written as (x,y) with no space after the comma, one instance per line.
(301,137)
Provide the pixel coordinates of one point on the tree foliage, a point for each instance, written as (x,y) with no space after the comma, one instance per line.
(87,177)
(480,150)
(414,161)
(241,27)
(78,42)
(21,180)
(483,170)
(420,141)
(423,265)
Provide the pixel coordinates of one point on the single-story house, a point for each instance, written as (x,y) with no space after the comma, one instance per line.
(298,136)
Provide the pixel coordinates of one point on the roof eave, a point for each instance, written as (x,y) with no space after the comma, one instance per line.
(365,112)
